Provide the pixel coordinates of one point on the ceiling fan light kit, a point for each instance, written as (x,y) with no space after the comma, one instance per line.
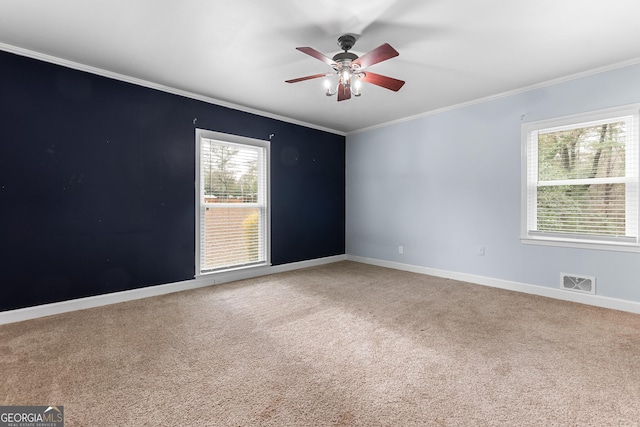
(349,69)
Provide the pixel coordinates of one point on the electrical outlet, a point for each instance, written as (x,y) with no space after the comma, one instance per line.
(401,250)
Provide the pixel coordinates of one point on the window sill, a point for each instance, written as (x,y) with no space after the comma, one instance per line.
(581,244)
(234,270)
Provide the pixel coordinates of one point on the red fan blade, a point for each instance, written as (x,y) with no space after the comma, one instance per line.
(383,81)
(312,52)
(301,79)
(343,92)
(379,54)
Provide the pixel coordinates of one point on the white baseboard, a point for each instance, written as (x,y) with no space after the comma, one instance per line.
(588,299)
(21,314)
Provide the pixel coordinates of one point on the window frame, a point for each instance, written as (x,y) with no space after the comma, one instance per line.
(529,132)
(226,138)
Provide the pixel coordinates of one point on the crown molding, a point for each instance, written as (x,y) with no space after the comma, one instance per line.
(518,91)
(152,85)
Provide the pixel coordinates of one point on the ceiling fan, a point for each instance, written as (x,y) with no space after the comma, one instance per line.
(349,69)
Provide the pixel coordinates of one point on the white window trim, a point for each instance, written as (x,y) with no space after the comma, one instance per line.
(233,139)
(624,244)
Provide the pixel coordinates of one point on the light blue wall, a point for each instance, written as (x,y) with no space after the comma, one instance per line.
(445,184)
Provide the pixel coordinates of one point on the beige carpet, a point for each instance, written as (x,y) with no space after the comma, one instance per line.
(341,344)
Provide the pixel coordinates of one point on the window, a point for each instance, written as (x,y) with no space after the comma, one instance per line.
(232,187)
(580,180)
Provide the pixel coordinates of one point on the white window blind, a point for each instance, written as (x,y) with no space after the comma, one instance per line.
(232,202)
(581,179)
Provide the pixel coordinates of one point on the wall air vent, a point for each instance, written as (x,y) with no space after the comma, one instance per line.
(577,283)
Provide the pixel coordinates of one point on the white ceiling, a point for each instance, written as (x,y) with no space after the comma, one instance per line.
(240,52)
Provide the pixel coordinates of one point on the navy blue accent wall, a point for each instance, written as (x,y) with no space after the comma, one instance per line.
(97,184)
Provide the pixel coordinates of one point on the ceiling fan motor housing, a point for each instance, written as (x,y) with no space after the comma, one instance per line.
(345,59)
(344,56)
